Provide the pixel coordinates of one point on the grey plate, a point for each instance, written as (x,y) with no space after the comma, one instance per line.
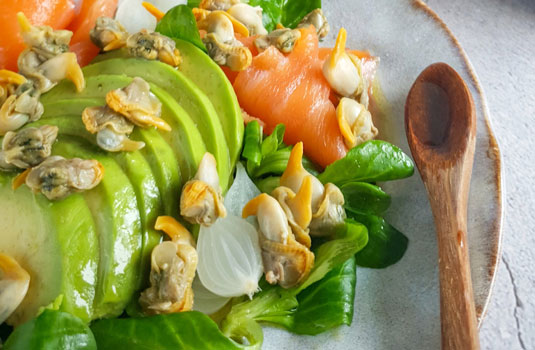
(398,308)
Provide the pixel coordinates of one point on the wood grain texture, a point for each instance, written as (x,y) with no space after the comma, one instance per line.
(445,163)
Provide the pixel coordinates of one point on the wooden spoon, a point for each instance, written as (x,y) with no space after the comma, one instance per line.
(440,122)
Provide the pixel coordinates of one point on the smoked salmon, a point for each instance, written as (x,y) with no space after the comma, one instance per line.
(292,90)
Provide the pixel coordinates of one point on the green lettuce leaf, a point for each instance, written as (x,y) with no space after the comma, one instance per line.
(183,330)
(327,303)
(332,279)
(287,12)
(52,330)
(364,197)
(386,245)
(179,23)
(370,161)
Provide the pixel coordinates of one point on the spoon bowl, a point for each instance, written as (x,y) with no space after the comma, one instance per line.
(440,117)
(441,129)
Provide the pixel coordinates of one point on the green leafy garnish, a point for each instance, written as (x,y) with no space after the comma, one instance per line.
(366,198)
(287,12)
(179,23)
(52,330)
(370,161)
(386,245)
(183,330)
(268,157)
(332,278)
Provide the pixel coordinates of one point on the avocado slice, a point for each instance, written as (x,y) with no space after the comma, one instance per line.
(185,92)
(114,210)
(56,243)
(184,138)
(140,174)
(149,204)
(70,106)
(206,74)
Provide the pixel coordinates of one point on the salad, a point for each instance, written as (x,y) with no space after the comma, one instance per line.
(178,175)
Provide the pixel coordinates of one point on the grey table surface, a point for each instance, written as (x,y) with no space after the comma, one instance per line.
(499,38)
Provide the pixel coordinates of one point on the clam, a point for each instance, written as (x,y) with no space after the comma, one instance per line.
(108,34)
(112,129)
(298,209)
(137,104)
(28,147)
(201,201)
(286,261)
(214,5)
(219,40)
(112,141)
(44,40)
(355,122)
(57,177)
(18,109)
(295,174)
(153,46)
(343,71)
(327,202)
(14,283)
(318,20)
(250,17)
(237,58)
(219,23)
(48,72)
(47,60)
(330,214)
(283,39)
(210,21)
(173,265)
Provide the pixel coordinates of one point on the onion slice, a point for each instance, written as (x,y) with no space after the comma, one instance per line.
(230,262)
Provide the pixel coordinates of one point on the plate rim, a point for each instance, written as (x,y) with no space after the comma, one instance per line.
(493,148)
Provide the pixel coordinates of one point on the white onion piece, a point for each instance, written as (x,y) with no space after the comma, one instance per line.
(134,17)
(241,192)
(206,301)
(230,263)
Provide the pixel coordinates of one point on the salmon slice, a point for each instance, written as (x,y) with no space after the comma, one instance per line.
(291,89)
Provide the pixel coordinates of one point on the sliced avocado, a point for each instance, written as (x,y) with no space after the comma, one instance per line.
(140,174)
(56,242)
(185,92)
(70,106)
(184,138)
(206,74)
(114,209)
(149,204)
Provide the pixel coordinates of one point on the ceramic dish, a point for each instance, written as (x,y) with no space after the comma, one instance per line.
(398,308)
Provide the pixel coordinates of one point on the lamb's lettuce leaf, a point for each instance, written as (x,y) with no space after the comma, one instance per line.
(183,330)
(370,161)
(327,303)
(287,12)
(386,245)
(179,23)
(52,330)
(366,198)
(332,278)
(268,156)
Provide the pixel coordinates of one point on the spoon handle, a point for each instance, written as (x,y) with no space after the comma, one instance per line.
(448,194)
